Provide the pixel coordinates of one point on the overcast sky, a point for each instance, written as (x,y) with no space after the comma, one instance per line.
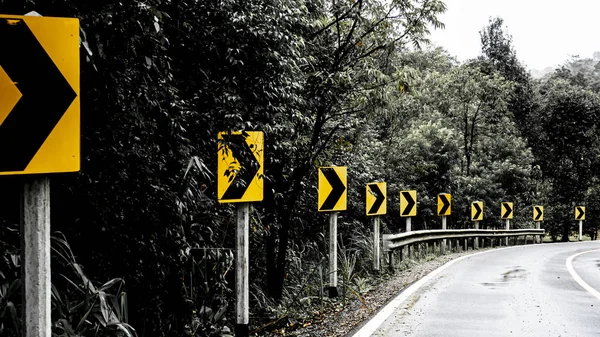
(545,32)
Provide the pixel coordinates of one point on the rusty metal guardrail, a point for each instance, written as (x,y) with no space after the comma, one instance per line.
(395,241)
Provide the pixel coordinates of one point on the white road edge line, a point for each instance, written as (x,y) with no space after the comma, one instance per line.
(369,328)
(578,278)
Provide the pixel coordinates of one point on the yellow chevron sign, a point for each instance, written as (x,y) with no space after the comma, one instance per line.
(408,203)
(477,211)
(444,202)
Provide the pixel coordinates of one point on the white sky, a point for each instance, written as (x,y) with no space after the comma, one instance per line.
(545,33)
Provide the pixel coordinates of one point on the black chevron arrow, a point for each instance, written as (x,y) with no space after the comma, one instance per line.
(478,210)
(539,211)
(581,213)
(337,186)
(379,198)
(508,210)
(410,203)
(445,202)
(249,166)
(46,95)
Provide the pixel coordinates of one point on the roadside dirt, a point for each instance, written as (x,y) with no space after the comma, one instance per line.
(343,321)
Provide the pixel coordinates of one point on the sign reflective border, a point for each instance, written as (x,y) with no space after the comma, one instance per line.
(39,95)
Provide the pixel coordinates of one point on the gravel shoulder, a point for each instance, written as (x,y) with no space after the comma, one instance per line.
(345,321)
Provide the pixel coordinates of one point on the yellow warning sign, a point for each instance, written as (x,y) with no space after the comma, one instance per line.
(580,213)
(444,201)
(39,95)
(376,199)
(240,166)
(538,213)
(477,211)
(506,210)
(332,188)
(408,203)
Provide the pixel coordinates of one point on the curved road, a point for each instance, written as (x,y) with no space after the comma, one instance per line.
(516,291)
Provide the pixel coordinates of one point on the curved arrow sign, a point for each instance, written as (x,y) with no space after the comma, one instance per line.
(332,188)
(376,199)
(240,166)
(408,203)
(580,213)
(506,211)
(477,211)
(538,213)
(39,112)
(444,204)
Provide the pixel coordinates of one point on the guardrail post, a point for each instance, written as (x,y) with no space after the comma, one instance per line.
(391,261)
(376,246)
(333,291)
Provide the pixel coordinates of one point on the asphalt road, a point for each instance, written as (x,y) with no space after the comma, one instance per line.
(517,291)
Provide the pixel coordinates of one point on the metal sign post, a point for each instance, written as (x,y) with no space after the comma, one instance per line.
(376,244)
(580,230)
(332,198)
(333,291)
(376,202)
(443,245)
(507,228)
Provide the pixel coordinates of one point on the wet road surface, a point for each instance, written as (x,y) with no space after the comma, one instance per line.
(518,291)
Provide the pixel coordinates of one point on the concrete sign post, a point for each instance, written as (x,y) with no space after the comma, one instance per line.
(240,180)
(242,270)
(35,229)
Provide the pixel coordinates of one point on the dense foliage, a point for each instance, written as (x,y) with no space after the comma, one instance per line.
(329,83)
